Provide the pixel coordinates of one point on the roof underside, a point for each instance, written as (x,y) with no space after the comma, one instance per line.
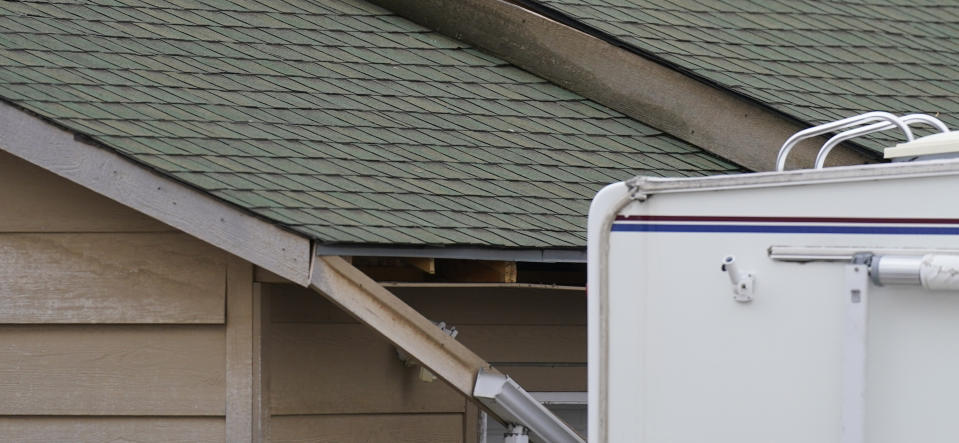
(816,61)
(336,119)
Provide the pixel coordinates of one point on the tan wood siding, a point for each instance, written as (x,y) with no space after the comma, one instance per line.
(113,324)
(461,306)
(393,428)
(498,306)
(112,370)
(332,369)
(525,343)
(35,200)
(110,278)
(546,378)
(327,370)
(261,275)
(111,429)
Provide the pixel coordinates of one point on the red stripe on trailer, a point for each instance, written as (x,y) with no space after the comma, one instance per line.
(694,218)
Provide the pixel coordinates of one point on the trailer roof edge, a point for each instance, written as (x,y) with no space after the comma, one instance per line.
(645,186)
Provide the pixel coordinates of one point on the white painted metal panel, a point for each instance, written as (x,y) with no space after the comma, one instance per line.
(685,362)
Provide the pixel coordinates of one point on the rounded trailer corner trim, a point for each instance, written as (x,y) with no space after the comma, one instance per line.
(602,213)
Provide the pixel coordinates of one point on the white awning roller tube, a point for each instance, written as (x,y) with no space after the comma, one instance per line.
(935,272)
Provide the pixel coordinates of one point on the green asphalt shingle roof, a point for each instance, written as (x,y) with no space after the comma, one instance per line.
(336,119)
(817,61)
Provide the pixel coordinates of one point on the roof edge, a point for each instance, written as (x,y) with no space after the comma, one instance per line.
(138,187)
(716,119)
(463,253)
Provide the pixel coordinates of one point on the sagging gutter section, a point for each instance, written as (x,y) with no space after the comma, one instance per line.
(372,304)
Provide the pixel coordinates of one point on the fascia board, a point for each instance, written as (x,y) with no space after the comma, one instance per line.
(133,185)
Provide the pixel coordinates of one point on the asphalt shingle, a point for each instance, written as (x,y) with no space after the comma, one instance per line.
(336,119)
(817,61)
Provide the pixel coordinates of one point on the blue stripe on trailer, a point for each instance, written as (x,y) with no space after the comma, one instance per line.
(787,229)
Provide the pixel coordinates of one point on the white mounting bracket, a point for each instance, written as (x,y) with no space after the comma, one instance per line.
(516,434)
(744,283)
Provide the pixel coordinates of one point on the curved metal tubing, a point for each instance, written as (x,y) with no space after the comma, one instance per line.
(839,124)
(876,127)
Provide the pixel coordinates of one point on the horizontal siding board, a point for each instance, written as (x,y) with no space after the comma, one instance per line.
(110,278)
(548,379)
(297,304)
(502,306)
(456,306)
(346,368)
(324,362)
(111,429)
(112,370)
(526,343)
(394,428)
(35,200)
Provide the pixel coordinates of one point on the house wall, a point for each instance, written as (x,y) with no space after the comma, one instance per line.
(332,379)
(114,326)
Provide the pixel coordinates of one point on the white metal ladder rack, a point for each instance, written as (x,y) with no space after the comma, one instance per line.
(857,126)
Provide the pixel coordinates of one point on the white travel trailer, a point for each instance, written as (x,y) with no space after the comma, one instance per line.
(816,305)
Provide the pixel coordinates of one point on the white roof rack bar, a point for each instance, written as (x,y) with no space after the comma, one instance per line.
(876,127)
(869,117)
